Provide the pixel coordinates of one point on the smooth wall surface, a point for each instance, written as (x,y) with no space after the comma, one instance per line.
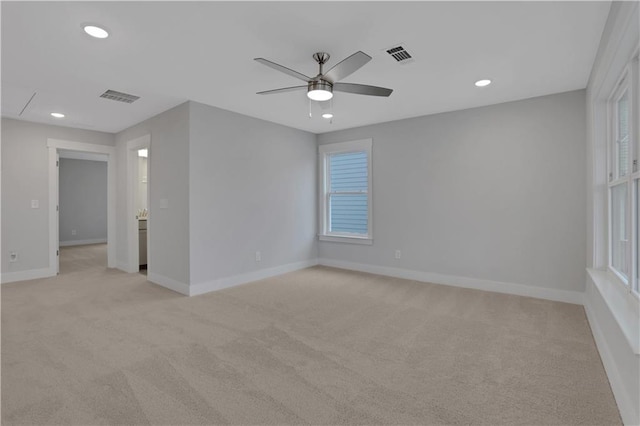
(168,163)
(25,177)
(493,193)
(252,188)
(82,200)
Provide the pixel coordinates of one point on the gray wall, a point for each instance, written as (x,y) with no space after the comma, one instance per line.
(25,177)
(235,185)
(82,200)
(494,193)
(252,188)
(168,249)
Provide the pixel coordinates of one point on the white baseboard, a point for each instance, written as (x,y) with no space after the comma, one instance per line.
(82,242)
(628,409)
(123,266)
(169,283)
(574,297)
(31,274)
(208,286)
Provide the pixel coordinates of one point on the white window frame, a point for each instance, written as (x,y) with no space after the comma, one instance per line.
(634,135)
(324,178)
(627,82)
(622,86)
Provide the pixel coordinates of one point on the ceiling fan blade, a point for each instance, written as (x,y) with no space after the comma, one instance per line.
(283,69)
(347,67)
(283,90)
(362,89)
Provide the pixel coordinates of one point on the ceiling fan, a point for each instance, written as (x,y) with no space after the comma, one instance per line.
(321,87)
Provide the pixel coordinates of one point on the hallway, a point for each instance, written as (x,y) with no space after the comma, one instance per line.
(91,257)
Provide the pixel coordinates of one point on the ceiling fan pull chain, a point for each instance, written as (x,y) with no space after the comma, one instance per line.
(309,108)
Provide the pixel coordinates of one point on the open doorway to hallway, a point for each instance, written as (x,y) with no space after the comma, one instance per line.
(82,210)
(78,151)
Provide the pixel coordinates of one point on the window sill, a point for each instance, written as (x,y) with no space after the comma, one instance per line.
(348,240)
(622,303)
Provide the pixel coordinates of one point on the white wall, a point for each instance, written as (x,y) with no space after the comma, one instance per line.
(25,171)
(613,313)
(252,188)
(83,201)
(494,193)
(168,249)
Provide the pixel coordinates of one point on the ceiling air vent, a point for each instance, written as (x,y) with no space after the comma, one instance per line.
(400,54)
(119,96)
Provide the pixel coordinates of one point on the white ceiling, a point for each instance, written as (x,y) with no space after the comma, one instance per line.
(170,52)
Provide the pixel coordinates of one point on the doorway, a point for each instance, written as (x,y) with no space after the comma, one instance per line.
(55,146)
(82,211)
(138,206)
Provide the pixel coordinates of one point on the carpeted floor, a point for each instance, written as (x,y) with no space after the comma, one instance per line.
(86,258)
(318,346)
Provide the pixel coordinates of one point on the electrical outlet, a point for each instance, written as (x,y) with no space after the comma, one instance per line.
(73,232)
(13,256)
(35,204)
(258,256)
(398,254)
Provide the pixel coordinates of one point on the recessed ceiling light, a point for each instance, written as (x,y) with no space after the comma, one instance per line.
(57,114)
(483,83)
(327,115)
(96,32)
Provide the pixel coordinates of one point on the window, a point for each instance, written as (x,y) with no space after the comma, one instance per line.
(624,180)
(345,192)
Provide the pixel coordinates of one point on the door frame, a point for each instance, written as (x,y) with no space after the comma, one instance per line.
(53,145)
(133,146)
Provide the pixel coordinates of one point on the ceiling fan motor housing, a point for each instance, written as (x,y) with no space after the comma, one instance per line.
(320,85)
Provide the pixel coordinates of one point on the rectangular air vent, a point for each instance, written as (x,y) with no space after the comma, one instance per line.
(119,96)
(400,54)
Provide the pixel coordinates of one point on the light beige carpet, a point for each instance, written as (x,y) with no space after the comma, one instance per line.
(318,346)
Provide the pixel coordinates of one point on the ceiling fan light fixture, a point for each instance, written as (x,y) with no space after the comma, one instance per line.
(327,115)
(319,95)
(320,90)
(483,83)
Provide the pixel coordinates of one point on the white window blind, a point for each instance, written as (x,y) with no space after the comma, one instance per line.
(348,193)
(622,134)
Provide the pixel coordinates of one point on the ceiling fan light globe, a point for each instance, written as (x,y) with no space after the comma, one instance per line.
(319,95)
(319,90)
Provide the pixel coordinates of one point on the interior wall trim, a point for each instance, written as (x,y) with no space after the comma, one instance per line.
(170,283)
(219,284)
(29,274)
(546,293)
(627,408)
(83,242)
